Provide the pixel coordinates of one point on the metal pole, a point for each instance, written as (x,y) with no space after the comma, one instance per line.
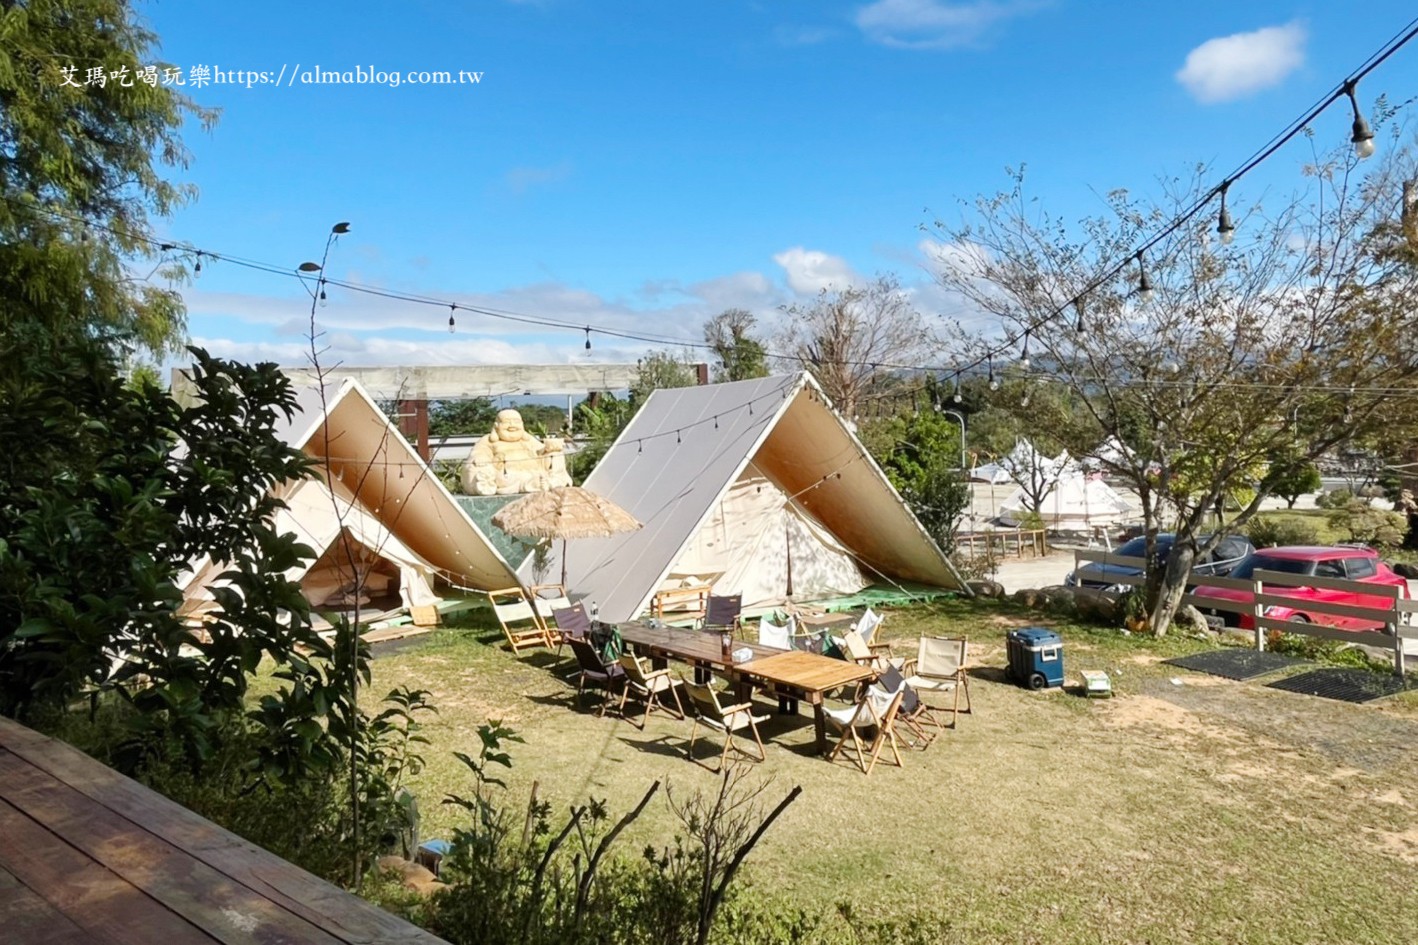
(961,419)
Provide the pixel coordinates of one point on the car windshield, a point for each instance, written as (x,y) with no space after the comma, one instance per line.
(1264,562)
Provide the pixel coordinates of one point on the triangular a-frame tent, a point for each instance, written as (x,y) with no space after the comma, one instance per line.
(371,486)
(757,487)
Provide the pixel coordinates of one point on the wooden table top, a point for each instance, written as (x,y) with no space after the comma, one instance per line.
(696,646)
(89,856)
(807,671)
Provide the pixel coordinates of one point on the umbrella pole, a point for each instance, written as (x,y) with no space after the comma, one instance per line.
(563,564)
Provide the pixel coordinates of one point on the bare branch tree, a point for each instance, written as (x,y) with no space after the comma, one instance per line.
(1308,316)
(852,339)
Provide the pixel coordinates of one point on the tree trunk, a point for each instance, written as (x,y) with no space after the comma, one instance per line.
(1171,589)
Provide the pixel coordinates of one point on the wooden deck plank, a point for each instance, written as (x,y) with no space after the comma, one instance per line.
(107,908)
(227,911)
(345,916)
(26,917)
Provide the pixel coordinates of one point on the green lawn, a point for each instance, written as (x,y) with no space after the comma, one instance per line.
(1185,809)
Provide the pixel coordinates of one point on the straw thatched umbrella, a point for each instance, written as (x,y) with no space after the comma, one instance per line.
(565,512)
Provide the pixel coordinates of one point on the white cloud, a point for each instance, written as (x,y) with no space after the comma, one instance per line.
(936,24)
(1234,66)
(810,271)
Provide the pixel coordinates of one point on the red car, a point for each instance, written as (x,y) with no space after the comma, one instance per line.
(1354,564)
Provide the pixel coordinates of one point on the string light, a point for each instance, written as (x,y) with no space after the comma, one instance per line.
(1144,284)
(993,381)
(197,268)
(452,324)
(1078,306)
(956,396)
(1024,355)
(1363,135)
(588,337)
(1224,226)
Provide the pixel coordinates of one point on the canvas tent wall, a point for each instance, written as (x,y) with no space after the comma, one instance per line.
(680,467)
(1075,500)
(358,560)
(363,449)
(393,504)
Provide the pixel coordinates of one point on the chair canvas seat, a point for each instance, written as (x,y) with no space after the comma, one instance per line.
(877,708)
(726,719)
(648,686)
(939,666)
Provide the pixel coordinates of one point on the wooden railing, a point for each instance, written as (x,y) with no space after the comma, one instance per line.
(1003,543)
(1395,616)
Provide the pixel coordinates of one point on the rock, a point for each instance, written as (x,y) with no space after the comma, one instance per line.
(1189,620)
(990,589)
(425,887)
(1028,596)
(1405,569)
(1095,604)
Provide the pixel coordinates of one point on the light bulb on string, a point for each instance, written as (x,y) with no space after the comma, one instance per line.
(588,337)
(955,398)
(1224,226)
(1362,136)
(1024,354)
(1144,284)
(197,268)
(324,302)
(993,381)
(452,324)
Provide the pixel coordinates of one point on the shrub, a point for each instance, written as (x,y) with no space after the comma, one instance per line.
(1357,521)
(1270,532)
(1336,499)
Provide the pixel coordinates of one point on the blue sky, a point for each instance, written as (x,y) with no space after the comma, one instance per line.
(642,164)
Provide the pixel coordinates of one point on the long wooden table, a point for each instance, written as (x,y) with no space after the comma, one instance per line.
(788,674)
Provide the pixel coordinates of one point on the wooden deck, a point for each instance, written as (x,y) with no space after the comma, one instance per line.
(87,855)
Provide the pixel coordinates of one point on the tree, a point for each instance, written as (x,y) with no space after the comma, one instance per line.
(919,451)
(454,417)
(741,356)
(855,340)
(79,171)
(1307,313)
(1290,476)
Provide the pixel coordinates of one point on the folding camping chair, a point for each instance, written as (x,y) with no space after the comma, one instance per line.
(569,623)
(876,708)
(513,611)
(723,718)
(605,676)
(939,666)
(648,685)
(724,611)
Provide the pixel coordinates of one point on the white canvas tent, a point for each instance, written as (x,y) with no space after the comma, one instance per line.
(1075,501)
(757,487)
(372,486)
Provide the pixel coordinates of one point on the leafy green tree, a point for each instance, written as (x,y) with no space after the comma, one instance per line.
(741,355)
(1290,476)
(920,453)
(80,171)
(454,417)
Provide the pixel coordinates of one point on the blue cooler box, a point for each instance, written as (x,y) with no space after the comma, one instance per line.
(1035,657)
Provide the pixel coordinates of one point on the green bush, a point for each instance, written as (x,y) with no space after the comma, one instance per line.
(1271,532)
(1357,521)
(1334,500)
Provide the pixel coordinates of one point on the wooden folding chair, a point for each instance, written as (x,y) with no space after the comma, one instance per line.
(939,667)
(514,612)
(724,718)
(546,600)
(648,685)
(876,709)
(867,654)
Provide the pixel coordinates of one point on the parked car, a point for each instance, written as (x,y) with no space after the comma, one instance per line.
(1231,551)
(1345,562)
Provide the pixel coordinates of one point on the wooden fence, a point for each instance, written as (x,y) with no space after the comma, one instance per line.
(1394,615)
(1002,543)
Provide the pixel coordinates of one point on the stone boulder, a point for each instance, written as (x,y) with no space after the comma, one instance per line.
(989,589)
